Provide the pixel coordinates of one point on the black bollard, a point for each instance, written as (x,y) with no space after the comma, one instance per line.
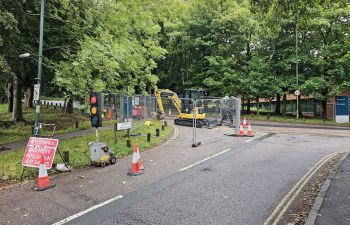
(149,137)
(163,127)
(128,143)
(157,132)
(66,156)
(77,124)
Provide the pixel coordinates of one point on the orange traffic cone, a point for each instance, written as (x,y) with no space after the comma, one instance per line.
(109,115)
(135,164)
(244,122)
(250,131)
(139,157)
(43,182)
(241,131)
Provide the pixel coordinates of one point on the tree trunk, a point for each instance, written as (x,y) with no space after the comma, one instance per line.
(17,114)
(70,106)
(248,106)
(324,109)
(284,108)
(10,98)
(278,104)
(28,97)
(257,106)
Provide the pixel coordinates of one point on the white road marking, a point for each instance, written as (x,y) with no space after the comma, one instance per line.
(88,210)
(203,160)
(210,157)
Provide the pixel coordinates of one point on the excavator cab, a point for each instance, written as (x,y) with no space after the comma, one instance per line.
(195,94)
(187,105)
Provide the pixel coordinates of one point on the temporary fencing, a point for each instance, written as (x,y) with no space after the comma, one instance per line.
(220,115)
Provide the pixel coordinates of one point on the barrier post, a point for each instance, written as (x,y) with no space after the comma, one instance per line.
(238,114)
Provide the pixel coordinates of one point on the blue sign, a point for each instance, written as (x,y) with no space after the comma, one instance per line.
(341,105)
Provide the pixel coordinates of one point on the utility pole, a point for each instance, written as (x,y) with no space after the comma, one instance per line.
(38,85)
(297,65)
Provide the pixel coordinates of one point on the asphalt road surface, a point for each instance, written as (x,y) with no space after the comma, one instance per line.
(226,180)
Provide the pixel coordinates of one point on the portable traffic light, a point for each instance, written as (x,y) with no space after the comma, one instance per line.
(96,109)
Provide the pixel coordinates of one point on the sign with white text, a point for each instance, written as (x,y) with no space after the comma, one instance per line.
(38,147)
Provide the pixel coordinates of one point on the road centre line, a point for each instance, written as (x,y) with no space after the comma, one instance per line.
(295,189)
(203,160)
(212,156)
(88,210)
(255,138)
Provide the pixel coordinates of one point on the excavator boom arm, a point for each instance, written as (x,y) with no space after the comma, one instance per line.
(159,93)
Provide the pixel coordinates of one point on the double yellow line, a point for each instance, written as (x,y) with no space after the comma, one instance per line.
(282,207)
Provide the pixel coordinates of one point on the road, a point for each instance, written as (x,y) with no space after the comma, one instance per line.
(228,180)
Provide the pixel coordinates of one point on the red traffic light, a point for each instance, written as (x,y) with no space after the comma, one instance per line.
(93,100)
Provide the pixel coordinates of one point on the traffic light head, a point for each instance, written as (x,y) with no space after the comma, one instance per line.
(96,109)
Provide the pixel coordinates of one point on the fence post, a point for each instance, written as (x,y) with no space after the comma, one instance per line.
(238,114)
(194,121)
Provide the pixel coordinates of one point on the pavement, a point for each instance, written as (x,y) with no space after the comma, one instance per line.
(335,208)
(225,180)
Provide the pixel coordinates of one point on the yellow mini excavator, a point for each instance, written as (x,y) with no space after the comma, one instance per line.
(184,107)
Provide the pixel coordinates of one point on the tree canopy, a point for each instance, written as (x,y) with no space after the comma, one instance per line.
(234,47)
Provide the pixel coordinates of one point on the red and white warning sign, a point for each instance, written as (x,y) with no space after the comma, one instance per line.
(37,147)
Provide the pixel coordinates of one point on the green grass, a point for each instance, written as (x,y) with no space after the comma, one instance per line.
(3,108)
(290,119)
(65,123)
(10,162)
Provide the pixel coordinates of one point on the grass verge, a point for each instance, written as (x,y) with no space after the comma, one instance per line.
(290,119)
(20,131)
(11,162)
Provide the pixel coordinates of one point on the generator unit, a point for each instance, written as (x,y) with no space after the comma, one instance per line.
(101,155)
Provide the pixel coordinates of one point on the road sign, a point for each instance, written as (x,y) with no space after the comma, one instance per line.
(297,92)
(342,109)
(124,126)
(37,147)
(36,92)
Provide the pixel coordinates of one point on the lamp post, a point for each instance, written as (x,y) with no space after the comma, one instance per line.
(297,92)
(37,86)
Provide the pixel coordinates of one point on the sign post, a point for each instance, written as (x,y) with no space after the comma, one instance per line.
(342,109)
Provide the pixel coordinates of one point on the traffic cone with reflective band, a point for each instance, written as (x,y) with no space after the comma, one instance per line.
(244,122)
(139,157)
(135,164)
(250,131)
(43,182)
(169,112)
(109,115)
(241,131)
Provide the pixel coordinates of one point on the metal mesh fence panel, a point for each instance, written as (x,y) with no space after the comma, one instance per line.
(221,116)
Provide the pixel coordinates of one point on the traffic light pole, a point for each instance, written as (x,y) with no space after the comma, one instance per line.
(97,139)
(41,37)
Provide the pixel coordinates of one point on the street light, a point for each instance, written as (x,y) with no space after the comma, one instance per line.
(24,55)
(297,92)
(36,97)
